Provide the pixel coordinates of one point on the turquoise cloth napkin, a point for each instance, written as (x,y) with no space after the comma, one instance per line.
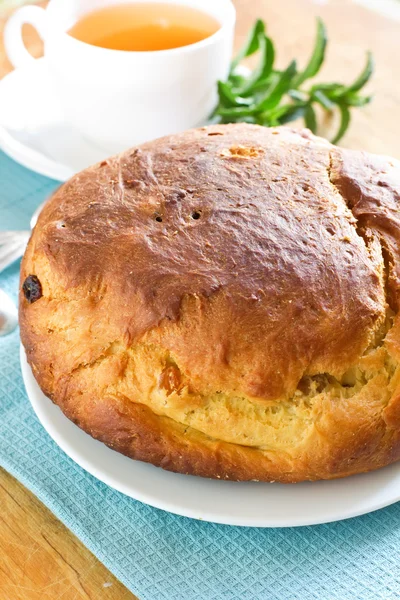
(161,556)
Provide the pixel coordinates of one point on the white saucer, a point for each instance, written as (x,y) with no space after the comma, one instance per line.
(33,130)
(250,504)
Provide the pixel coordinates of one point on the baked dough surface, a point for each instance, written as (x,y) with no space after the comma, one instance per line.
(224,302)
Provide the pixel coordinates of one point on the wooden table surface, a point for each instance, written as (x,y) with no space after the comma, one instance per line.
(39,558)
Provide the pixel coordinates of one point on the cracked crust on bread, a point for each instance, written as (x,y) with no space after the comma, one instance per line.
(224,303)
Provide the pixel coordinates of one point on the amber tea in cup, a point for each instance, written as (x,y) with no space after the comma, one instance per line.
(144,26)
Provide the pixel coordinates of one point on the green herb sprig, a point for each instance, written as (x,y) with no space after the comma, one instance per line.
(269,97)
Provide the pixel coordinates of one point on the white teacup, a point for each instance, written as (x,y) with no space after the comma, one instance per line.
(118,98)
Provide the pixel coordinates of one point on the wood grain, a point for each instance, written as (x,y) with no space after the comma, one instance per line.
(39,558)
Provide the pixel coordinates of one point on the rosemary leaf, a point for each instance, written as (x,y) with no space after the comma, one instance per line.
(364,76)
(264,68)
(317,57)
(270,97)
(310,118)
(344,123)
(275,93)
(324,100)
(252,43)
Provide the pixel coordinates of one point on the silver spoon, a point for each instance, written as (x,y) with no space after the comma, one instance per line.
(8,310)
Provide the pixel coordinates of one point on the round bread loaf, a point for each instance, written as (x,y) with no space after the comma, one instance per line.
(224,302)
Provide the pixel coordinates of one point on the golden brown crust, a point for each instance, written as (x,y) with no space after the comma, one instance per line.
(223,302)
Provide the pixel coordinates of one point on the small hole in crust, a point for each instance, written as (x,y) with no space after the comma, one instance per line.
(243,152)
(158,219)
(196,215)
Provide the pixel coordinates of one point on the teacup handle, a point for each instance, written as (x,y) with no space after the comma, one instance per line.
(14,45)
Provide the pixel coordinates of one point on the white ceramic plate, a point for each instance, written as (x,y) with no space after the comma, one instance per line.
(251,504)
